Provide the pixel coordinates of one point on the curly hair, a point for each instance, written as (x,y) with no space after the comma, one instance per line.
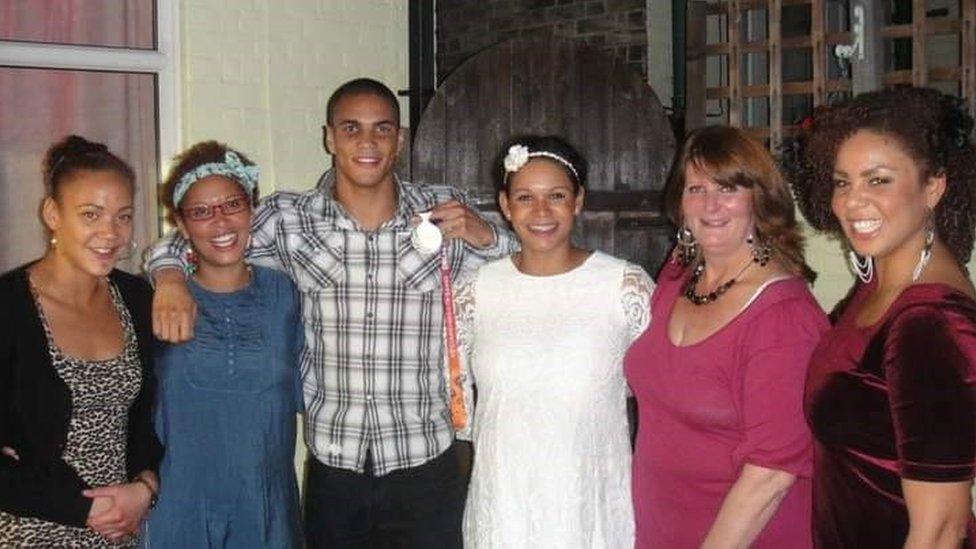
(74,154)
(730,157)
(932,128)
(203,152)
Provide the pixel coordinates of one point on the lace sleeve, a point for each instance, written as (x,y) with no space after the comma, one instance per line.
(635,298)
(464,306)
(464,309)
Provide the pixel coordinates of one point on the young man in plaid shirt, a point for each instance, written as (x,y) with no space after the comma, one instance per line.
(377,421)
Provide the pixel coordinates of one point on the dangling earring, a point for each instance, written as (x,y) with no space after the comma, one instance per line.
(687,247)
(926,255)
(760,250)
(54,242)
(190,261)
(863,268)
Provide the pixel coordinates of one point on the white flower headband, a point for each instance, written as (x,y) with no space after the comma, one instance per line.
(519,155)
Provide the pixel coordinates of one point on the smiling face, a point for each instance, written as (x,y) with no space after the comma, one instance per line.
(364,139)
(881,197)
(91,220)
(541,204)
(221,240)
(720,216)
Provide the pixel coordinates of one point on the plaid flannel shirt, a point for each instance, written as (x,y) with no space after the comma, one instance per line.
(373,362)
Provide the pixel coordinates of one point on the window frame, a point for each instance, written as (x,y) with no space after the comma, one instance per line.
(163,63)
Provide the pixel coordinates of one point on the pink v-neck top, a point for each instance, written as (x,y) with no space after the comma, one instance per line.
(709,408)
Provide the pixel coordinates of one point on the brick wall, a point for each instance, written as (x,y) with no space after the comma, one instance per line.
(257,74)
(465,27)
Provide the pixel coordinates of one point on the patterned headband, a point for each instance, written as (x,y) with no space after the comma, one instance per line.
(519,155)
(246,176)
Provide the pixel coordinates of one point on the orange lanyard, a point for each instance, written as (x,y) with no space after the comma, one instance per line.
(459,416)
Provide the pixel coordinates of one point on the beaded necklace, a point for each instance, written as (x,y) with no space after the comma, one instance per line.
(704,299)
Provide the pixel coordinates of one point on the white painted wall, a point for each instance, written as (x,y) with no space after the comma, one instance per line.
(660,71)
(257,74)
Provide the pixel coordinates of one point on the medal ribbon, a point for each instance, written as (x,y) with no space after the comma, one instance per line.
(459,416)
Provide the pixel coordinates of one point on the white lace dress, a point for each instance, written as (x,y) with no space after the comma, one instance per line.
(552,452)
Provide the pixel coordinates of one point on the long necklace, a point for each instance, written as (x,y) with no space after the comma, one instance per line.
(704,299)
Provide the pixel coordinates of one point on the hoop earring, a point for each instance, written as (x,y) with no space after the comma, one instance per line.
(926,255)
(760,250)
(863,268)
(687,246)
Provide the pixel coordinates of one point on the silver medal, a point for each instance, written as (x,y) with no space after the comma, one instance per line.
(426,238)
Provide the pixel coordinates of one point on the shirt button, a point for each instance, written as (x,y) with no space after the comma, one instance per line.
(230,361)
(369,398)
(369,315)
(370,238)
(227,319)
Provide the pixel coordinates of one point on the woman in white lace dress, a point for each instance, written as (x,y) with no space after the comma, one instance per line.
(543,333)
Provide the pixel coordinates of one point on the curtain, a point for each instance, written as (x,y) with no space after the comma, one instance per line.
(39,106)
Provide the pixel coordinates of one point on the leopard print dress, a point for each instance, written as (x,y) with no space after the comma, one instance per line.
(101,393)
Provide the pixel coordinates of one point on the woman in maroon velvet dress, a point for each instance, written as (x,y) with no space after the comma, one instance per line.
(891,393)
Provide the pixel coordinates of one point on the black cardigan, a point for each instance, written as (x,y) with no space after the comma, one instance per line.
(35,406)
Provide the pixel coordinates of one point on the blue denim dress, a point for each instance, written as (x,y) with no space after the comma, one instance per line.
(226,415)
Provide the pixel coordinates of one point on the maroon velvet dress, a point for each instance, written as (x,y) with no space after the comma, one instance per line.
(893,400)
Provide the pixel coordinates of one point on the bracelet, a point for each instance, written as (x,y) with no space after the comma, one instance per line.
(153,499)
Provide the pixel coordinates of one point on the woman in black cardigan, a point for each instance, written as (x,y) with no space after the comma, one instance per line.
(79,454)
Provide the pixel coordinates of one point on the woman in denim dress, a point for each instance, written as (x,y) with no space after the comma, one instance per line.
(228,397)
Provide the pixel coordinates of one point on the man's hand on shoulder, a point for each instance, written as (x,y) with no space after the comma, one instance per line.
(456,220)
(174,311)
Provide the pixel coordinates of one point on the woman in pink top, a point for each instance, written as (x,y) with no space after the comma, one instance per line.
(723,454)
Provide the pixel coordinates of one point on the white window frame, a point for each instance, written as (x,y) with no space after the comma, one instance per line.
(163,62)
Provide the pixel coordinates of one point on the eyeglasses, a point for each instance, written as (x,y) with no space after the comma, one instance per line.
(203,212)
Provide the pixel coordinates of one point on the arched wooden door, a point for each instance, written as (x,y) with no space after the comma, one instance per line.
(556,86)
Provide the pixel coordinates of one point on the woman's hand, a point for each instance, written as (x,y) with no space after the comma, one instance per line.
(174,311)
(938,512)
(117,511)
(10,453)
(101,506)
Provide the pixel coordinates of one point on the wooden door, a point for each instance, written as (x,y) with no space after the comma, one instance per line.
(556,86)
